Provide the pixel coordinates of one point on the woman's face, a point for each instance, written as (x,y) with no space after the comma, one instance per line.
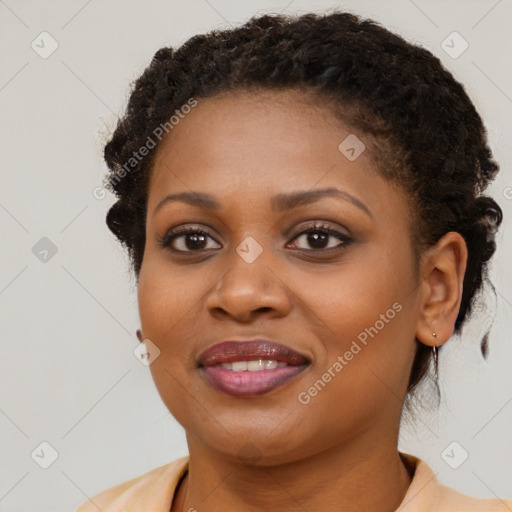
(345,302)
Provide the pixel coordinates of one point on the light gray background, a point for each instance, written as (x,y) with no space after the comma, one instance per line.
(68,374)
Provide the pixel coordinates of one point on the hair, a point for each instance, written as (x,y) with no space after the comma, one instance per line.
(423,130)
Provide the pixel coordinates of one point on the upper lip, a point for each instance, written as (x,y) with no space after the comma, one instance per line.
(248,350)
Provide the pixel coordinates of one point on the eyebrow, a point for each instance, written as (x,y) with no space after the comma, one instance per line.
(282,202)
(279,203)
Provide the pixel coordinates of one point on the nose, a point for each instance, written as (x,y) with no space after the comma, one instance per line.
(248,290)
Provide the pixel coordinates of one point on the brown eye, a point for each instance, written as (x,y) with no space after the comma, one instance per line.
(186,240)
(322,238)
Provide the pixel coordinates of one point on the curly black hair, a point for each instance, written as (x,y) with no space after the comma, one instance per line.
(426,133)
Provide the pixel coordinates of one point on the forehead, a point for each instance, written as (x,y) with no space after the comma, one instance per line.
(244,121)
(259,144)
(233,127)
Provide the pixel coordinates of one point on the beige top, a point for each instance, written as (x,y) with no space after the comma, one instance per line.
(154,492)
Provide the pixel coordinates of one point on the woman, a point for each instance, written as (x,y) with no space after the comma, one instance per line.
(301,199)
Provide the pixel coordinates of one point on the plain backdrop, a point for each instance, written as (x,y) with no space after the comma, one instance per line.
(69,378)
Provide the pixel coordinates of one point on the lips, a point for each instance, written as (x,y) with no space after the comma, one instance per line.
(230,351)
(250,368)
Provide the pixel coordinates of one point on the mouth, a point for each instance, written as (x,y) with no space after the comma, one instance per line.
(250,368)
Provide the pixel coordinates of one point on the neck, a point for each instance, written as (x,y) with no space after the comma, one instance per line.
(361,475)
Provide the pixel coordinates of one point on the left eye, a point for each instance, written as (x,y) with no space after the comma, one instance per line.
(317,236)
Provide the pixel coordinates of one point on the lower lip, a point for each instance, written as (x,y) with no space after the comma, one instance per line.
(246,384)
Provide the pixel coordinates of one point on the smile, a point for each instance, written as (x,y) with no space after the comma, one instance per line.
(246,369)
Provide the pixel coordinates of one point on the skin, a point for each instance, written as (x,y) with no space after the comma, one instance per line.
(339,451)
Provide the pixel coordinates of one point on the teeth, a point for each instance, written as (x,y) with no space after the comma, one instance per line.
(253,366)
(239,366)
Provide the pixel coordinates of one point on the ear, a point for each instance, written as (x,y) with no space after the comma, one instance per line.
(442,268)
(139,335)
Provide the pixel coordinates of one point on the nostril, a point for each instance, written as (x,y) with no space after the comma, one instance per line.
(264,309)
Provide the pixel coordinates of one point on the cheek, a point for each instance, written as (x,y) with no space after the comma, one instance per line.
(167,303)
(352,298)
(165,297)
(369,322)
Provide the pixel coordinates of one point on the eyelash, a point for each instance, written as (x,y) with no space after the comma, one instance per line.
(173,234)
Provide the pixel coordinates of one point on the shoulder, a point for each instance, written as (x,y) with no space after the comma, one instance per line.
(426,493)
(451,500)
(155,488)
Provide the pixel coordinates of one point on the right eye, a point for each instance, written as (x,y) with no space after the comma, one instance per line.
(185,239)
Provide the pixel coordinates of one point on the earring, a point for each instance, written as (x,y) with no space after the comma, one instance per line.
(434,353)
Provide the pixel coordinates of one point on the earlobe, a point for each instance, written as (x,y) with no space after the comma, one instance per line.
(443,276)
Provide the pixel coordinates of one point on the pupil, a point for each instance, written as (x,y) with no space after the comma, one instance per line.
(197,240)
(314,238)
